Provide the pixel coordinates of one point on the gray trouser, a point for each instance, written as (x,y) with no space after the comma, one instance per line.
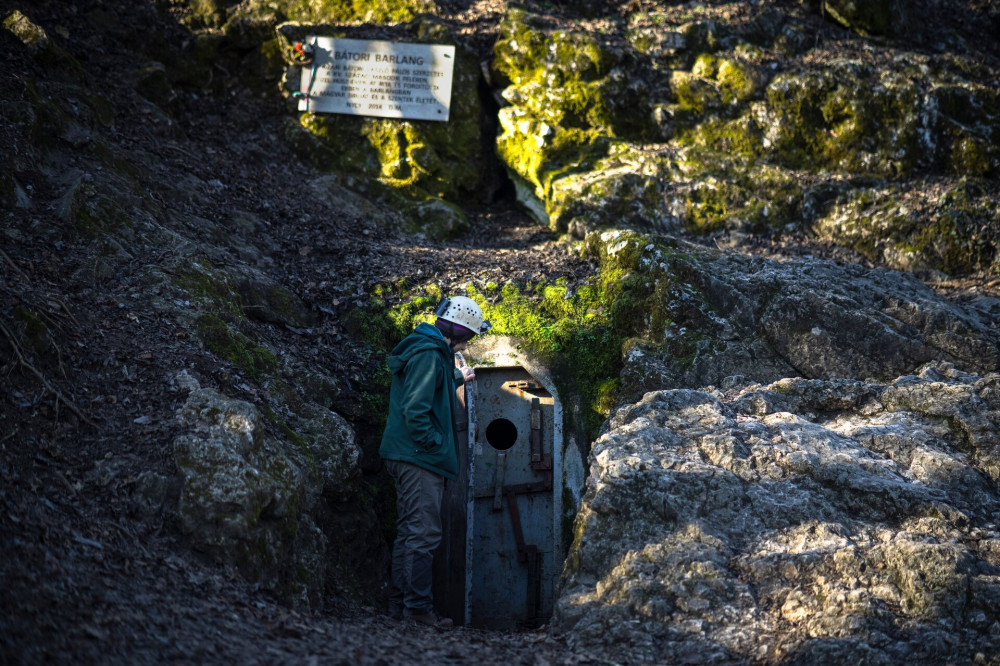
(418,533)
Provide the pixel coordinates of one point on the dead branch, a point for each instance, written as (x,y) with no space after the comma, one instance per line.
(25,364)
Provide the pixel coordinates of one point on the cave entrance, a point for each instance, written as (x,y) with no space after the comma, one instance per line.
(503,547)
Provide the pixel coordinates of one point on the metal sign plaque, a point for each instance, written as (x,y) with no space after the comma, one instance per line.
(375,78)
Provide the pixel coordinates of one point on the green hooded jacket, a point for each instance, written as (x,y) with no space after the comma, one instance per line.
(420,425)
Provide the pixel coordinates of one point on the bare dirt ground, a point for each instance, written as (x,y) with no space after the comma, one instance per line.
(82,579)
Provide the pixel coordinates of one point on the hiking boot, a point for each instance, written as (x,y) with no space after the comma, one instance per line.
(395,612)
(431,619)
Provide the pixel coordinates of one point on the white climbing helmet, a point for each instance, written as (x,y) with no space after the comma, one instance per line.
(465,312)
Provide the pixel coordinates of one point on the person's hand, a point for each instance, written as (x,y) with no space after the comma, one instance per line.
(468,374)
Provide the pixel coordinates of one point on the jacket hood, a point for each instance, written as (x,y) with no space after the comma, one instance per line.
(423,338)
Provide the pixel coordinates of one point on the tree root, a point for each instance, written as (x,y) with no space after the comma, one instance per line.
(28,366)
(12,264)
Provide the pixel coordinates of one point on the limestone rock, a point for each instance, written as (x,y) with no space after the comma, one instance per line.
(31,34)
(570,94)
(250,500)
(699,317)
(807,521)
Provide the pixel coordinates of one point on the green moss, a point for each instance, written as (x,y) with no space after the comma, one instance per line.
(758,197)
(360,11)
(272,12)
(625,187)
(854,118)
(579,334)
(203,281)
(562,151)
(520,50)
(962,236)
(737,81)
(272,57)
(572,333)
(707,206)
(695,95)
(23,28)
(252,359)
(971,156)
(702,36)
(797,104)
(337,147)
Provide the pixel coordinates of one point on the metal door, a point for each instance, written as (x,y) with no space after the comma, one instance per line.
(512,558)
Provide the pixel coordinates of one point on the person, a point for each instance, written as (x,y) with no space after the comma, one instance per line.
(419,447)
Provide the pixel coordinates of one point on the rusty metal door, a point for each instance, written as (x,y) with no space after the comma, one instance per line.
(512,558)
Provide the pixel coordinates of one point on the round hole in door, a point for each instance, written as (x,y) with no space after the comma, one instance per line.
(501,434)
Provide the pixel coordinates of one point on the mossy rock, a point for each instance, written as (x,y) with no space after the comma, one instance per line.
(30,33)
(853,118)
(736,195)
(266,301)
(244,499)
(526,52)
(570,98)
(354,11)
(214,288)
(66,112)
(539,153)
(955,233)
(254,360)
(744,146)
(627,186)
(207,13)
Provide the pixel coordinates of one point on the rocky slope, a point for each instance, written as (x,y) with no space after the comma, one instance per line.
(198,285)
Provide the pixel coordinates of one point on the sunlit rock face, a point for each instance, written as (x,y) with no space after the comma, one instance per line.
(806,521)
